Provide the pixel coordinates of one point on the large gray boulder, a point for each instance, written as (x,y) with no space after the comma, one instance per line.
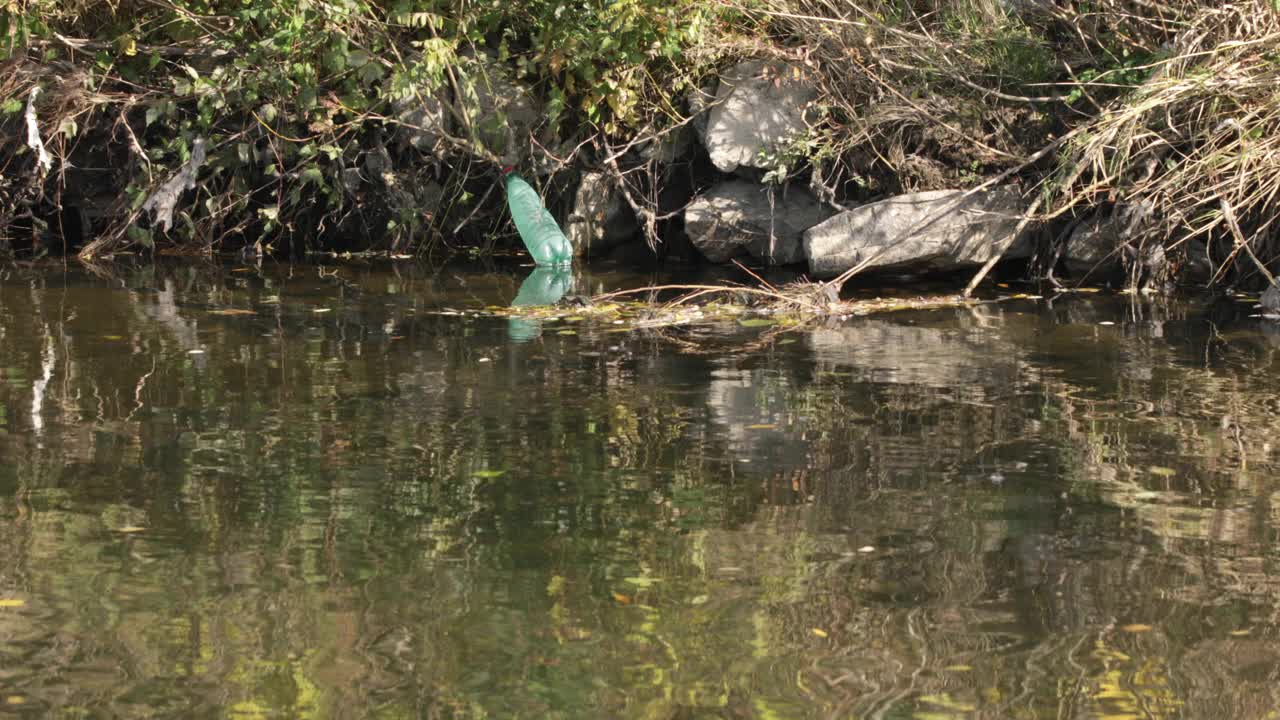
(759,106)
(424,121)
(1106,245)
(1094,247)
(928,231)
(735,217)
(601,219)
(495,106)
(422,113)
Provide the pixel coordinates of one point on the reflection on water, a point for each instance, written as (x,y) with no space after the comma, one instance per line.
(314,493)
(544,286)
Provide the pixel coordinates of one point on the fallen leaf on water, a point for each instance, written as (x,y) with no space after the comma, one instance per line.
(1136,628)
(112,337)
(700,600)
(1239,633)
(232,311)
(130,529)
(757,322)
(567,332)
(322,310)
(622,599)
(1162,471)
(819,632)
(11,602)
(959,668)
(762,426)
(487,474)
(15,700)
(555,586)
(867,549)
(786,341)
(195,352)
(643,582)
(945,700)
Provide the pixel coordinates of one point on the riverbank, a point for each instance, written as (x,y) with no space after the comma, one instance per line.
(1101,144)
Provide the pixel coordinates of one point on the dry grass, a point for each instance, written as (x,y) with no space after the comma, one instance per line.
(1196,147)
(1168,107)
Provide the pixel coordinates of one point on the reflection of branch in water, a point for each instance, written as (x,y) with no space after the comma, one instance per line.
(47,362)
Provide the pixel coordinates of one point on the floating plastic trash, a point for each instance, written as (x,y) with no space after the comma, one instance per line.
(538,229)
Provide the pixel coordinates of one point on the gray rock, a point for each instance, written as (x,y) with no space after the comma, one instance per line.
(1093,248)
(735,218)
(1270,299)
(352,180)
(1199,266)
(496,107)
(1106,245)
(405,193)
(700,100)
(425,122)
(672,147)
(927,231)
(601,219)
(759,106)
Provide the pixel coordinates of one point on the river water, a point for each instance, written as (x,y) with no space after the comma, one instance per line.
(307,492)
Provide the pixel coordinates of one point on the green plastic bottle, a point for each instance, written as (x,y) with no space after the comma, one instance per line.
(538,229)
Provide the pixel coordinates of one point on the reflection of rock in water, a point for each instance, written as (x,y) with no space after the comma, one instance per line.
(544,286)
(886,352)
(754,408)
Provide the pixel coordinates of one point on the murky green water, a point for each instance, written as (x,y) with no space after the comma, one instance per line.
(306,493)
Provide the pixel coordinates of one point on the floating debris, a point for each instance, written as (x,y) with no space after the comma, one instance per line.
(769,310)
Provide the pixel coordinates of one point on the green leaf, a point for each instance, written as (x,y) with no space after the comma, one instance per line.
(488,474)
(757,322)
(370,73)
(140,236)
